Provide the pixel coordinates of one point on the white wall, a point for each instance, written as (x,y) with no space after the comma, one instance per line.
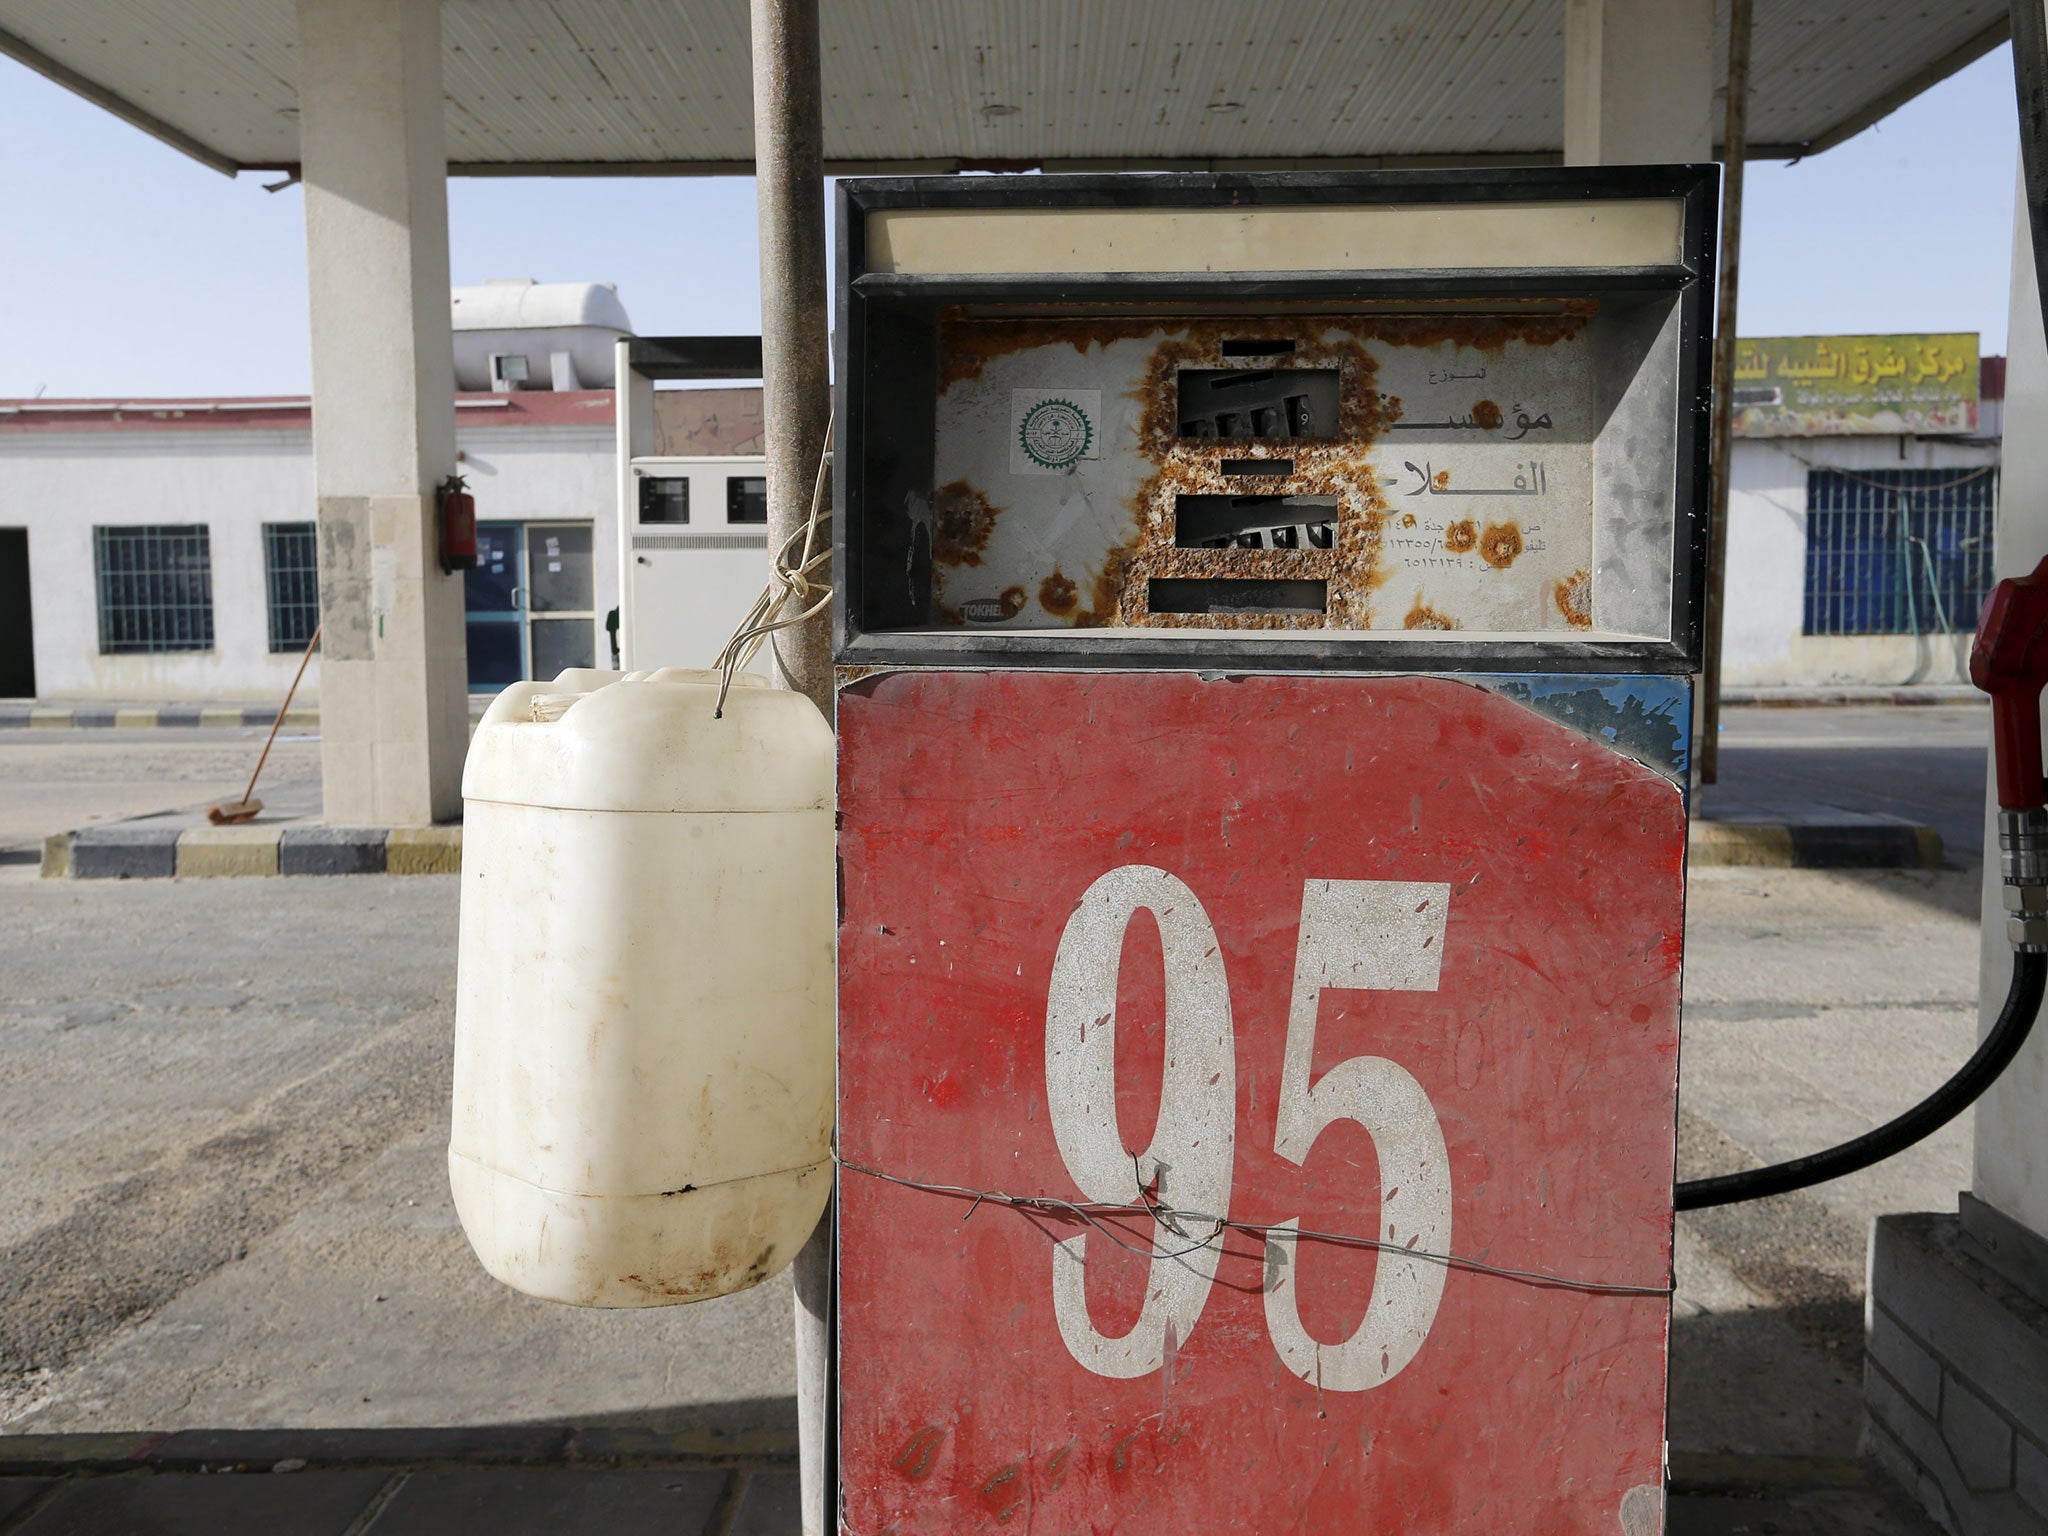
(60,485)
(1765,603)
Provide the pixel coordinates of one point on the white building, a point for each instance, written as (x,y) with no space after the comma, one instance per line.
(164,550)
(1861,559)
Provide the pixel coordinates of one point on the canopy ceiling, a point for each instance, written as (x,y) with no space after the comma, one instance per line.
(622,87)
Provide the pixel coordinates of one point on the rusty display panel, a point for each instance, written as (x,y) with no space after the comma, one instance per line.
(1256,1106)
(1290,473)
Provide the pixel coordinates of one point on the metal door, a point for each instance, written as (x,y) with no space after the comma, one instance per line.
(530,602)
(17,630)
(493,595)
(560,630)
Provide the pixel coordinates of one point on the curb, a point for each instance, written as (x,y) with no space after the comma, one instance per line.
(227,1450)
(1902,694)
(1723,1472)
(307,717)
(138,851)
(129,717)
(1848,842)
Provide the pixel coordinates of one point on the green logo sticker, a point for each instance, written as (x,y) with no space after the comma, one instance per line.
(1055,434)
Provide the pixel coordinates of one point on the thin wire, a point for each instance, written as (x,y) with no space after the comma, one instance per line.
(1887,485)
(787,581)
(1169,1217)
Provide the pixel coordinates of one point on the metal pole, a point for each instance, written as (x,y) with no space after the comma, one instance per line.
(2030,76)
(1734,145)
(796,381)
(789,183)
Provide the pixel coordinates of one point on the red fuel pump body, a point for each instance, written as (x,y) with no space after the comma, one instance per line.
(458,524)
(2009,661)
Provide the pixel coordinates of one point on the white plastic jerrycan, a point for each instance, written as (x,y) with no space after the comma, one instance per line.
(644,993)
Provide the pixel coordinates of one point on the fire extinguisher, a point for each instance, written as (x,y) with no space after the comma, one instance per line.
(457,510)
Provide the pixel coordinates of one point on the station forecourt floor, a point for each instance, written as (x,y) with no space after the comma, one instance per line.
(230,1243)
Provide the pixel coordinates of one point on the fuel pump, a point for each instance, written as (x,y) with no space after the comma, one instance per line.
(1266,608)
(1265,612)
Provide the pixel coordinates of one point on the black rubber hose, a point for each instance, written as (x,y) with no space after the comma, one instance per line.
(2015,1019)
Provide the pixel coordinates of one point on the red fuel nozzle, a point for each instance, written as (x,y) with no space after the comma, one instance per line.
(2009,661)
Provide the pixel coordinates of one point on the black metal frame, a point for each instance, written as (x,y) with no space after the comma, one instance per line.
(695,357)
(878,342)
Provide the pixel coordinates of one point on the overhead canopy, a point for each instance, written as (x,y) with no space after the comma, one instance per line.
(620,87)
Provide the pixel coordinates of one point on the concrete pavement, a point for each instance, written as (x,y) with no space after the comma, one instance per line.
(222,1107)
(54,781)
(223,1130)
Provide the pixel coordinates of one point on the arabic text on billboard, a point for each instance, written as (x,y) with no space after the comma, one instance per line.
(1833,386)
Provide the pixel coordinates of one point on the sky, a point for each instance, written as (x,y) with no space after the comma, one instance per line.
(128,269)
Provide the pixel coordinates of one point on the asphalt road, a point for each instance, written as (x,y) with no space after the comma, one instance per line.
(223,1108)
(1924,762)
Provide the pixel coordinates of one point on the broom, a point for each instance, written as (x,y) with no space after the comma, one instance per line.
(245,809)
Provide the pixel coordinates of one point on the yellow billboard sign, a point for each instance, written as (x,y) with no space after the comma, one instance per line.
(1832,386)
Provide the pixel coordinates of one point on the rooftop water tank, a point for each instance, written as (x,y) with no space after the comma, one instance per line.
(513,333)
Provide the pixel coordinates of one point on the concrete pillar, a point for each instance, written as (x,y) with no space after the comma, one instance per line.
(1957,1318)
(393,686)
(1638,81)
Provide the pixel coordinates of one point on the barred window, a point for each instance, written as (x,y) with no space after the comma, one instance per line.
(1898,552)
(155,585)
(291,575)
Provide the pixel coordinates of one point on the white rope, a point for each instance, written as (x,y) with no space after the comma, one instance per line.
(788,583)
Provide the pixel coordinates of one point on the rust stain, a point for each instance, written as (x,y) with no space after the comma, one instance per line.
(962,518)
(1407,519)
(1490,332)
(1500,544)
(1012,601)
(1002,1494)
(1422,616)
(1120,1453)
(1057,1466)
(1574,599)
(967,345)
(1440,479)
(920,1453)
(1105,596)
(1338,466)
(1057,594)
